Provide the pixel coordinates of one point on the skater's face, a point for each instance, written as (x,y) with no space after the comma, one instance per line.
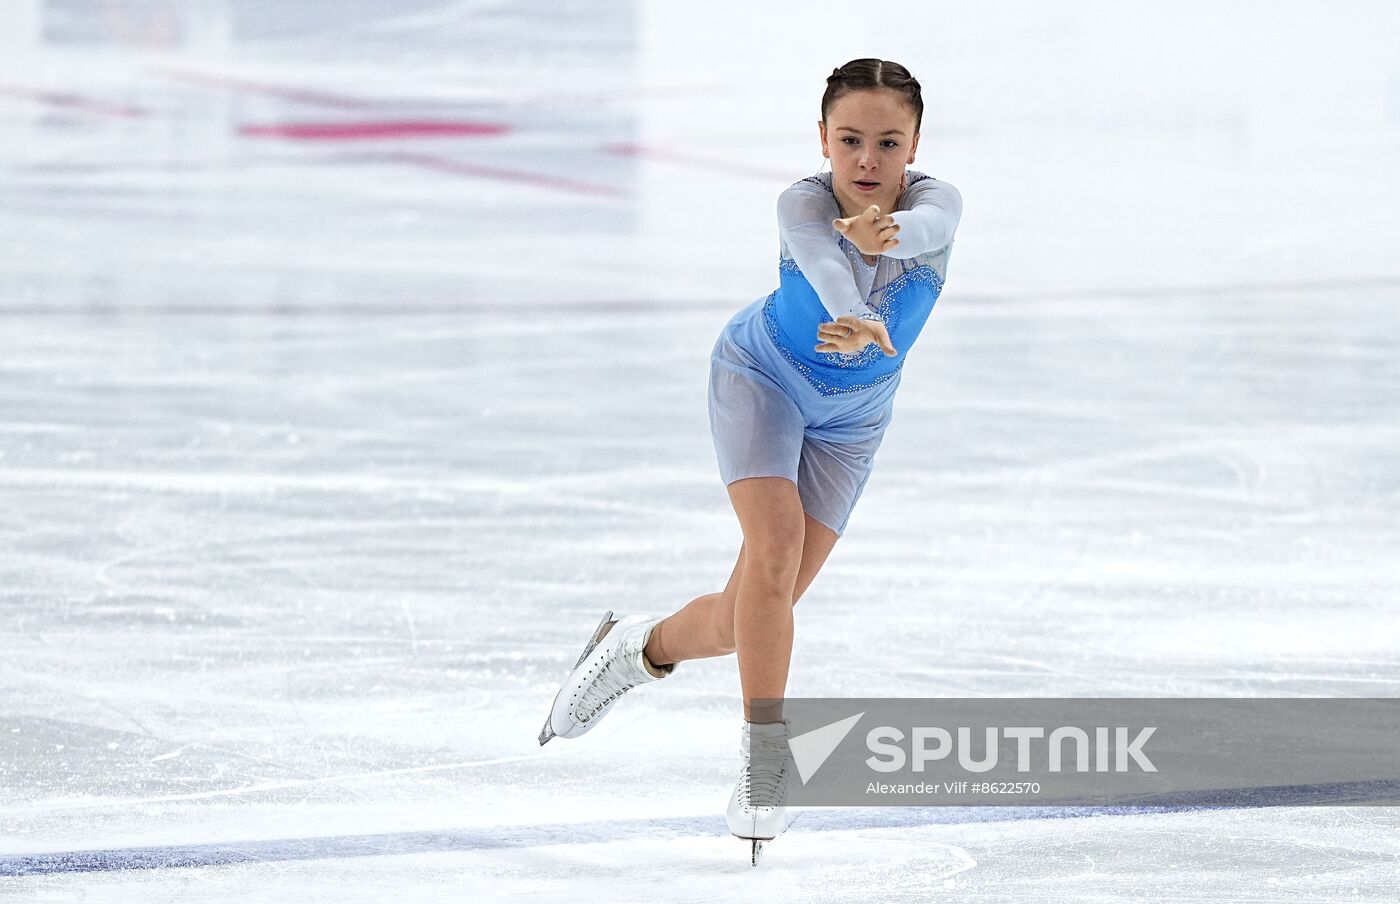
(869,136)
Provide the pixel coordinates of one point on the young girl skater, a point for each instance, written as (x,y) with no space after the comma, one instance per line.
(802,387)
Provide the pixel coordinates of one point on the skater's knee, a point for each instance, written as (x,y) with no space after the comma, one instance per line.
(771,569)
(770,514)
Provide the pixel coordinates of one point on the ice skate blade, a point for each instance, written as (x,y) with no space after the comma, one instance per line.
(757,851)
(598,634)
(547,733)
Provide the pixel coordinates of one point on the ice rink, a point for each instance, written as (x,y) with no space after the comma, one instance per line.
(353,361)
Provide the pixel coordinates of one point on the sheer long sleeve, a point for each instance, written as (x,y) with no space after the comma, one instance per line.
(930,221)
(804,220)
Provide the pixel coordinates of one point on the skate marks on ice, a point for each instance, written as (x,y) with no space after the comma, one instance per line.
(331,847)
(705,833)
(705,838)
(144,769)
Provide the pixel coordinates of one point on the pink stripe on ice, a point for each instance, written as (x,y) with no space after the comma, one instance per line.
(73,102)
(682,158)
(249,86)
(362,131)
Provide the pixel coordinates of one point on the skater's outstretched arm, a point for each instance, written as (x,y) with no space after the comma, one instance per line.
(929,224)
(804,219)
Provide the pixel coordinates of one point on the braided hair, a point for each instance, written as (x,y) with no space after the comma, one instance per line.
(863,74)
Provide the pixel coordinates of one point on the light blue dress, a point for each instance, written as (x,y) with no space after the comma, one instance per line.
(778,407)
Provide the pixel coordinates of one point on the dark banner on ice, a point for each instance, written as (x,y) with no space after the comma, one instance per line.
(1117,751)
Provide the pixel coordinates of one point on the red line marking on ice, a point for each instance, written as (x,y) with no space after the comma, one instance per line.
(74,102)
(458,168)
(370,131)
(249,86)
(724,166)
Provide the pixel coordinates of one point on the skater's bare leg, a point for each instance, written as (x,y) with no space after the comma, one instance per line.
(705,626)
(695,632)
(770,514)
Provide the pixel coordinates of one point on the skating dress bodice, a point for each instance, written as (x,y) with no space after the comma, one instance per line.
(822,276)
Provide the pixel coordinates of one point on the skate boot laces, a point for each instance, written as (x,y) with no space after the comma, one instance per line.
(765,778)
(612,682)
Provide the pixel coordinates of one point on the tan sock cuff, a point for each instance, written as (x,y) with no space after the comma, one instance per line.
(663,668)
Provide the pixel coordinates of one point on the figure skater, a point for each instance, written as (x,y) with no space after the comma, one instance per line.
(802,386)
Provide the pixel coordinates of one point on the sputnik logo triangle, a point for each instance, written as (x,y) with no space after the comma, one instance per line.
(811,749)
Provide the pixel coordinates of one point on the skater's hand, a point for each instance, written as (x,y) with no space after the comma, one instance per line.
(849,334)
(871,231)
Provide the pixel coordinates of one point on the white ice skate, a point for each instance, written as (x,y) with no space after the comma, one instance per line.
(612,664)
(756,808)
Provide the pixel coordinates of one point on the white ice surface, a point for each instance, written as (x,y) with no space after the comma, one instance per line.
(319,458)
